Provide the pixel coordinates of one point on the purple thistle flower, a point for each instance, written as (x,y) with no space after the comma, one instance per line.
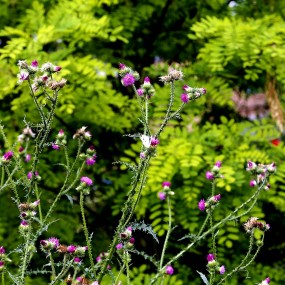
(54,242)
(251,166)
(218,164)
(210,257)
(154,141)
(140,92)
(2,263)
(166,184)
(57,68)
(210,175)
(184,98)
(142,155)
(24,223)
(28,157)
(217,197)
(71,248)
(252,183)
(55,146)
(161,196)
(267,280)
(76,260)
(86,180)
(23,75)
(202,205)
(91,160)
(169,270)
(2,250)
(98,258)
(121,66)
(128,80)
(8,155)
(132,240)
(222,269)
(146,80)
(34,63)
(119,246)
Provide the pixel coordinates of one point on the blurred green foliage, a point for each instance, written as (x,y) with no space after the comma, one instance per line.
(218,47)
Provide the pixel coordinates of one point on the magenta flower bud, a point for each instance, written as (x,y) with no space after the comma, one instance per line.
(2,250)
(60,133)
(2,263)
(166,184)
(55,146)
(98,258)
(86,180)
(142,155)
(8,155)
(121,66)
(79,279)
(71,248)
(34,63)
(57,68)
(218,164)
(119,246)
(128,80)
(169,270)
(95,283)
(28,157)
(184,98)
(186,88)
(23,75)
(161,196)
(210,175)
(146,80)
(267,187)
(140,92)
(54,242)
(21,149)
(203,90)
(202,205)
(267,280)
(44,77)
(222,269)
(154,141)
(210,257)
(90,160)
(109,267)
(76,260)
(43,243)
(132,240)
(271,167)
(251,166)
(217,197)
(252,183)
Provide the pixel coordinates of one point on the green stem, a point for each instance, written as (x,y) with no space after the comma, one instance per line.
(2,176)
(52,266)
(3,278)
(166,237)
(26,255)
(38,198)
(86,230)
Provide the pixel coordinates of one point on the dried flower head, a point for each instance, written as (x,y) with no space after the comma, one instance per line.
(173,74)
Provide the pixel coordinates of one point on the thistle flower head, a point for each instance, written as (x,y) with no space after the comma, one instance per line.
(169,270)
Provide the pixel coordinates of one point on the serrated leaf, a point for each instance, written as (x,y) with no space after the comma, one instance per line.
(204,278)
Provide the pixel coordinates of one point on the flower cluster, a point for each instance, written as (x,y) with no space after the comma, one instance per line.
(260,173)
(126,240)
(166,191)
(173,74)
(81,280)
(146,89)
(211,203)
(128,75)
(215,171)
(90,156)
(82,134)
(253,223)
(44,80)
(191,93)
(6,158)
(27,210)
(60,140)
(213,264)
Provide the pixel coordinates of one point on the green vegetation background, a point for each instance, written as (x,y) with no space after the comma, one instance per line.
(218,47)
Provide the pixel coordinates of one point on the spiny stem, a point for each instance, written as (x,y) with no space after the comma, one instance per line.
(86,230)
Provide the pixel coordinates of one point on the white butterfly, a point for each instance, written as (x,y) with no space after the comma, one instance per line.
(146,140)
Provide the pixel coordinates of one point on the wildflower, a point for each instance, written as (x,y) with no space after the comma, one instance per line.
(132,240)
(55,146)
(2,264)
(128,80)
(253,223)
(91,160)
(142,155)
(21,149)
(76,260)
(2,250)
(24,225)
(82,134)
(30,175)
(271,167)
(80,250)
(172,75)
(251,166)
(166,184)
(140,92)
(266,281)
(267,187)
(161,195)
(7,156)
(202,205)
(86,180)
(28,157)
(210,175)
(154,141)
(95,283)
(184,98)
(210,257)
(169,270)
(51,243)
(222,269)
(22,64)
(71,248)
(252,183)
(121,66)
(127,233)
(215,198)
(57,68)
(23,75)
(119,246)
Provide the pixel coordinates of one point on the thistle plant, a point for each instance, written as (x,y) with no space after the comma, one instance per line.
(76,264)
